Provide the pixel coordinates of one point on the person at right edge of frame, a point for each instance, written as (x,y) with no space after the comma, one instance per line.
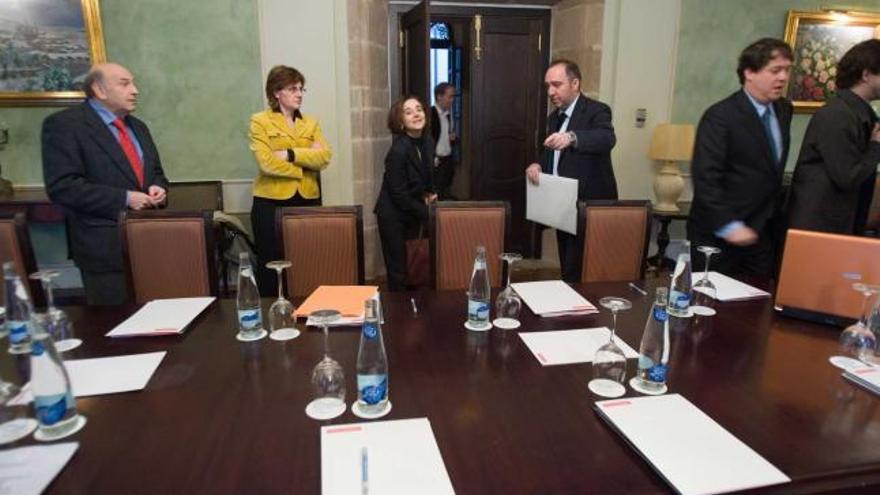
(739,157)
(836,171)
(578,146)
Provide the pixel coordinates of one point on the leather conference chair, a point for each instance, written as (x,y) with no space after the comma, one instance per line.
(325,245)
(168,254)
(15,246)
(615,235)
(457,228)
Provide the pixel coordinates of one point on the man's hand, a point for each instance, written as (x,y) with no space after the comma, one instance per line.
(875,133)
(558,141)
(157,195)
(533,172)
(429,197)
(743,236)
(452,137)
(139,201)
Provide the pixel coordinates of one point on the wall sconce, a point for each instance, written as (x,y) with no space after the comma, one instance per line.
(670,144)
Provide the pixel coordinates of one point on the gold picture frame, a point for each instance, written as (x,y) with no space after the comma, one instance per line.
(35,56)
(818,40)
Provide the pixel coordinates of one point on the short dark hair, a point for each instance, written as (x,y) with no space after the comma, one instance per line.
(440,89)
(864,56)
(395,113)
(280,77)
(757,55)
(94,76)
(572,71)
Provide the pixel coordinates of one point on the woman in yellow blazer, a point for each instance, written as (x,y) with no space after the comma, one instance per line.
(290,151)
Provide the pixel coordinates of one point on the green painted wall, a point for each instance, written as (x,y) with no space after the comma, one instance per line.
(197,66)
(712,34)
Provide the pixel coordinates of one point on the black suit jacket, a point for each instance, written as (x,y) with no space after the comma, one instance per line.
(590,161)
(407,177)
(88,174)
(734,172)
(834,179)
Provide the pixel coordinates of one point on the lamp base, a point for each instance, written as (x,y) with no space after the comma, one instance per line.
(668,186)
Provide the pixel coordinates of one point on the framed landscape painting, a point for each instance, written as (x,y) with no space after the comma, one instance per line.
(46,49)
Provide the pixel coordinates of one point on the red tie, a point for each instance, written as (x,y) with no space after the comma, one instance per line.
(130,151)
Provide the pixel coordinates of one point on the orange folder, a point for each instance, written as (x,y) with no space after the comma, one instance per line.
(347,299)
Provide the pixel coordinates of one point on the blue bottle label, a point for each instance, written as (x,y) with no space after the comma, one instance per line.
(373,389)
(679,300)
(18,331)
(52,408)
(657,373)
(37,349)
(660,314)
(478,310)
(371,331)
(249,319)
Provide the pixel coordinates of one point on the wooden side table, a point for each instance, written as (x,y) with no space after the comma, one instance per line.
(659,261)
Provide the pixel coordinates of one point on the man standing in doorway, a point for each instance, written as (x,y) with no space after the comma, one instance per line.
(98,160)
(578,146)
(444,138)
(739,157)
(836,171)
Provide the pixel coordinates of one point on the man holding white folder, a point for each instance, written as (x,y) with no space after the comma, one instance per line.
(578,146)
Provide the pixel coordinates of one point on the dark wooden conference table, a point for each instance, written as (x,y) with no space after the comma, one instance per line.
(221,416)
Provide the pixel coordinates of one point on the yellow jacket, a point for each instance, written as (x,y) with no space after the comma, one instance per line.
(278,178)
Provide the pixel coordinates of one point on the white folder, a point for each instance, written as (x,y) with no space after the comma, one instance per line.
(553,202)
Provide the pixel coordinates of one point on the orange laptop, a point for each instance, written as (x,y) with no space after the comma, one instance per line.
(817,274)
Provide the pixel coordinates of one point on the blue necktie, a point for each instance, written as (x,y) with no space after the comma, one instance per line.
(768,128)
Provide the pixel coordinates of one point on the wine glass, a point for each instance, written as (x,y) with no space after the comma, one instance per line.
(508,302)
(13,426)
(282,316)
(704,290)
(59,325)
(609,363)
(857,340)
(328,379)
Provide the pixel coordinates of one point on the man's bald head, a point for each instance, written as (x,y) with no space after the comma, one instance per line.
(113,86)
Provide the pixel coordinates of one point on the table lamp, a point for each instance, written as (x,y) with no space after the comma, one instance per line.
(670,144)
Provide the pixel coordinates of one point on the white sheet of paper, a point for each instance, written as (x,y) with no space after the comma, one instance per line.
(162,317)
(553,298)
(108,375)
(689,449)
(553,202)
(29,470)
(571,346)
(402,458)
(867,376)
(730,289)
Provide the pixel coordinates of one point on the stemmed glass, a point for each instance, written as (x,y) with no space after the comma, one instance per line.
(12,426)
(609,363)
(857,340)
(704,290)
(328,380)
(59,325)
(282,317)
(508,302)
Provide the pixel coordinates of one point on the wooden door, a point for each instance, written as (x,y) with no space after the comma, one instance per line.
(415,25)
(508,111)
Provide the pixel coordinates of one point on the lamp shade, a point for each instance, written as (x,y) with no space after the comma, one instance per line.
(673,142)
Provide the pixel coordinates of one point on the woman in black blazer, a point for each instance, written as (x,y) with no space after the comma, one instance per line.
(407,186)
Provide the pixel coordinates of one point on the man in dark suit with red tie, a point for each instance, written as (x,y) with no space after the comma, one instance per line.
(98,160)
(578,146)
(739,157)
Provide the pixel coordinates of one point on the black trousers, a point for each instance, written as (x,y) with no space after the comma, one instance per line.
(266,238)
(443,174)
(393,232)
(105,288)
(758,259)
(570,256)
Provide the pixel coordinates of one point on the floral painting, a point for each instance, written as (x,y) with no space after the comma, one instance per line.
(46,48)
(818,41)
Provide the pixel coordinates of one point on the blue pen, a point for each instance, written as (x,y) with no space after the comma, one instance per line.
(365,481)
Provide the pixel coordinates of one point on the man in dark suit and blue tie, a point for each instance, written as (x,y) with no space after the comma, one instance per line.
(739,157)
(578,146)
(98,160)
